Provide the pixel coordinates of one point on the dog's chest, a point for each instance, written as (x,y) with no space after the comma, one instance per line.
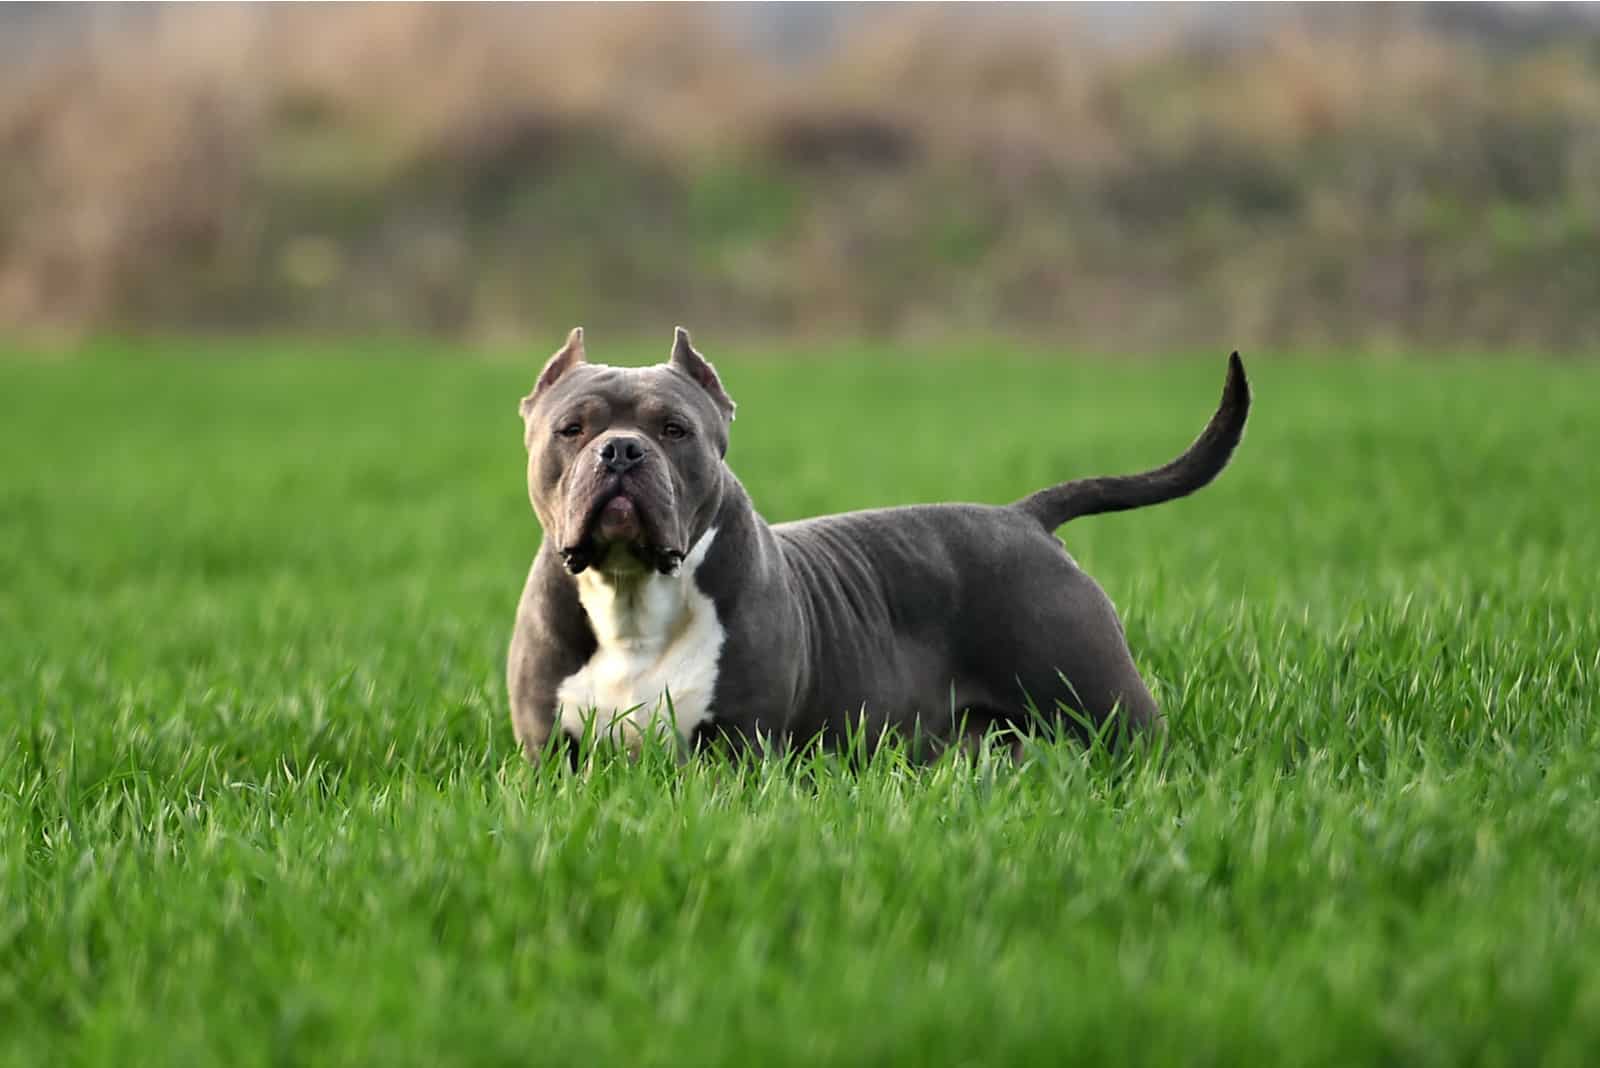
(655,668)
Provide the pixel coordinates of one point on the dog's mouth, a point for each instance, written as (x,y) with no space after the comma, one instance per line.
(617,519)
(615,529)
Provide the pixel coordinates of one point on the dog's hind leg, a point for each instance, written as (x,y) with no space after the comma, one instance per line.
(1066,656)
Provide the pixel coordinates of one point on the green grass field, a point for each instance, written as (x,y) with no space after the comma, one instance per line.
(260,801)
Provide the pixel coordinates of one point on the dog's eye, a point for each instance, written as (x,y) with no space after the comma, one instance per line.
(571,430)
(675,430)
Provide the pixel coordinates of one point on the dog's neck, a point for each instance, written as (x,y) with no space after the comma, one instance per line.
(634,608)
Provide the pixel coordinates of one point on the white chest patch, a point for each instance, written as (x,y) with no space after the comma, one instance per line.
(656,666)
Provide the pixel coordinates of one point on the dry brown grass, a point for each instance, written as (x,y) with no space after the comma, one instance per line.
(328,166)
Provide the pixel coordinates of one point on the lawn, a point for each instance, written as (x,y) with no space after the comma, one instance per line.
(260,801)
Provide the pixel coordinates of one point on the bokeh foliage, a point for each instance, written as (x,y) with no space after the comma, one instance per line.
(1370,175)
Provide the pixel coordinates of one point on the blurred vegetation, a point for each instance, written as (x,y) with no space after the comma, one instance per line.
(1372,176)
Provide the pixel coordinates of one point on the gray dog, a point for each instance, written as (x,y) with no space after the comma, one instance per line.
(660,602)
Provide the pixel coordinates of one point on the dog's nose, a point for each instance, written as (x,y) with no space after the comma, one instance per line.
(621,453)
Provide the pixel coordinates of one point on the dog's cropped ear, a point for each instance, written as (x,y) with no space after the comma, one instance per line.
(569,356)
(697,367)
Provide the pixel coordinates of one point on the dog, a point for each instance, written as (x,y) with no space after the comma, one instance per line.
(660,603)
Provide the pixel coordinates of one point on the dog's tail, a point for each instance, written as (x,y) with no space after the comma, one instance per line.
(1200,463)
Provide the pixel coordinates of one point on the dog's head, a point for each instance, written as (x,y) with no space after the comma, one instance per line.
(625,463)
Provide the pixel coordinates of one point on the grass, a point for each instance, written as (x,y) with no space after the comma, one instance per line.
(260,802)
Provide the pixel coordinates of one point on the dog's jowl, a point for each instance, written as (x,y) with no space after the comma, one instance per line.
(660,602)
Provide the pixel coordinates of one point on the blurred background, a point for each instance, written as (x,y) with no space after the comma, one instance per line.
(1101,176)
